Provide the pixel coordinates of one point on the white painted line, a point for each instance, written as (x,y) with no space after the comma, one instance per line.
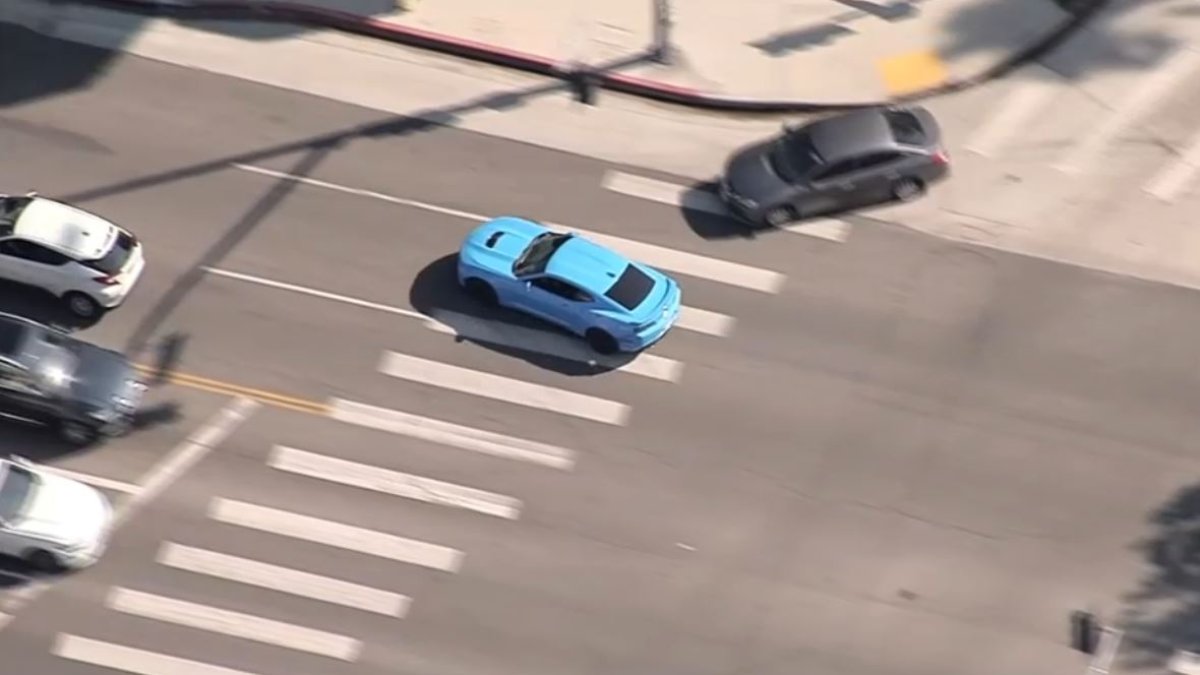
(455,378)
(454,435)
(1175,178)
(1106,652)
(692,199)
(1184,663)
(282,579)
(551,344)
(691,264)
(186,455)
(94,481)
(329,533)
(234,624)
(704,321)
(324,295)
(391,482)
(1159,83)
(131,660)
(671,194)
(1016,110)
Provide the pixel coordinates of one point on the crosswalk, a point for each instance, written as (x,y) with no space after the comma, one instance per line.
(296,540)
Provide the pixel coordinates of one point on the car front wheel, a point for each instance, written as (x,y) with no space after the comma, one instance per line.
(600,341)
(77,433)
(780,216)
(81,305)
(481,291)
(42,560)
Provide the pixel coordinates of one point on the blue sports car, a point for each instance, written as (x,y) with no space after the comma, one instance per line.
(616,304)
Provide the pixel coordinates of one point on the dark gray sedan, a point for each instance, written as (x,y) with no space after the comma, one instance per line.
(48,376)
(849,160)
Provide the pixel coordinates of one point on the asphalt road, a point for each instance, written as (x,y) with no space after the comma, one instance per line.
(910,456)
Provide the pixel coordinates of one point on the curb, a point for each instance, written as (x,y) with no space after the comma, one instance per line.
(281,11)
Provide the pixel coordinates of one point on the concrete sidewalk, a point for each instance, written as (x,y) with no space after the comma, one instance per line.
(823,51)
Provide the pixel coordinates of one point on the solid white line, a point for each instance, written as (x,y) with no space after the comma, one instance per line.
(282,579)
(500,388)
(329,533)
(704,321)
(454,435)
(691,264)
(1175,177)
(693,199)
(1159,83)
(551,344)
(234,624)
(1020,104)
(1184,663)
(391,482)
(130,660)
(1110,640)
(94,481)
(324,295)
(186,455)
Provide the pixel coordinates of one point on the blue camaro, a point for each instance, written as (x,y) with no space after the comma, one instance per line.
(616,304)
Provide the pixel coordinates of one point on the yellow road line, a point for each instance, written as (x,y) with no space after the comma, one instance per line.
(914,71)
(261,395)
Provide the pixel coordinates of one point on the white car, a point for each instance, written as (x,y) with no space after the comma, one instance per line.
(50,521)
(87,261)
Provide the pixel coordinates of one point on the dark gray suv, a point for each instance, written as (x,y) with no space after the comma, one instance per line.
(849,160)
(87,392)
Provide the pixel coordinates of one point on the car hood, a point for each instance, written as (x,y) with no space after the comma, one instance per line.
(64,511)
(749,174)
(498,243)
(85,235)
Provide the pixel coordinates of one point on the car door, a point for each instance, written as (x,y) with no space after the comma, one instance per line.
(18,395)
(33,264)
(556,301)
(873,177)
(829,189)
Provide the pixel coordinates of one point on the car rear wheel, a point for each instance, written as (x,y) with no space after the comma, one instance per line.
(780,216)
(77,433)
(81,305)
(42,560)
(600,341)
(907,189)
(482,292)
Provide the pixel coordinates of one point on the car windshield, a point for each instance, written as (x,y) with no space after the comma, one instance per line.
(114,261)
(10,210)
(793,157)
(537,255)
(16,492)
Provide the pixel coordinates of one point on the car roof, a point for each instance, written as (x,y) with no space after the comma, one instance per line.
(588,265)
(852,134)
(59,226)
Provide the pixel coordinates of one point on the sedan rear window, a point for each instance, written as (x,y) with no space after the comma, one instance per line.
(906,128)
(114,261)
(631,289)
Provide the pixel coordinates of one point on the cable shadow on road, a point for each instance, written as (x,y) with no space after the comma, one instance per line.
(436,294)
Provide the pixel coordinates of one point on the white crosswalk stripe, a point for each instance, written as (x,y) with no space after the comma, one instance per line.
(691,264)
(1016,111)
(330,533)
(282,579)
(130,659)
(456,378)
(1175,178)
(234,624)
(693,199)
(557,345)
(453,435)
(392,482)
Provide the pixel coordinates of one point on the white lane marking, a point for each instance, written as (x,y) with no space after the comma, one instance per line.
(1014,112)
(551,344)
(691,264)
(161,475)
(391,482)
(330,533)
(474,382)
(704,321)
(1175,178)
(454,435)
(282,579)
(1184,663)
(324,295)
(1110,640)
(186,455)
(131,660)
(692,199)
(234,624)
(1159,83)
(94,481)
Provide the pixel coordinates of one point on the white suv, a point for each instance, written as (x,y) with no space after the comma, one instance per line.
(87,261)
(50,521)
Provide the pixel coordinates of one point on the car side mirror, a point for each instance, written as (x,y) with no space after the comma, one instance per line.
(19,460)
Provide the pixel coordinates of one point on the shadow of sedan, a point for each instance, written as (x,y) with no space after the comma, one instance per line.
(436,294)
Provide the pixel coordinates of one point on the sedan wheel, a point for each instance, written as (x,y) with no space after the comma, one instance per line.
(82,306)
(780,216)
(907,189)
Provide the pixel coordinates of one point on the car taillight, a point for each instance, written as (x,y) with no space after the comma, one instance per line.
(106,280)
(941,158)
